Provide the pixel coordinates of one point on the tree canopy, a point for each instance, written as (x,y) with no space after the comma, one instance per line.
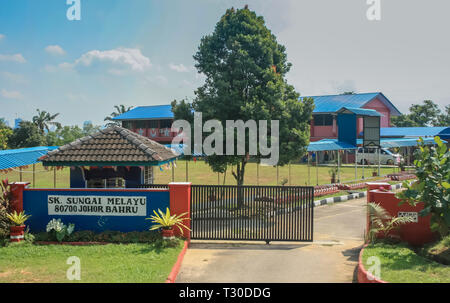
(423,115)
(245,69)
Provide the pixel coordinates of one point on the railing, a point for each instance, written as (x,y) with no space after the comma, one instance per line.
(163,186)
(266,213)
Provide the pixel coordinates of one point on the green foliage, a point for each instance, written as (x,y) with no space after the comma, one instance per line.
(27,135)
(119,109)
(432,165)
(245,69)
(58,230)
(5,208)
(18,219)
(382,222)
(166,220)
(44,119)
(106,236)
(5,134)
(426,114)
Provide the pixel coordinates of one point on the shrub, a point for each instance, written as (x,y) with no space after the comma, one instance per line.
(5,208)
(59,230)
(382,222)
(432,187)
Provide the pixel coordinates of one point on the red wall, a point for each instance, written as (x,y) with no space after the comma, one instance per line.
(330,132)
(414,233)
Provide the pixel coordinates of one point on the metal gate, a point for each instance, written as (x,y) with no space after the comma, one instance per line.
(264,213)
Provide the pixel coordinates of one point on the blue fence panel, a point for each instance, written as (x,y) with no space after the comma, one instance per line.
(96,210)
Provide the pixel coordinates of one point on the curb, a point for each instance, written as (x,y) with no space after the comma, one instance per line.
(363,275)
(176,267)
(343,198)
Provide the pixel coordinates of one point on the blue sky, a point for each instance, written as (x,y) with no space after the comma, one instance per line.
(139,52)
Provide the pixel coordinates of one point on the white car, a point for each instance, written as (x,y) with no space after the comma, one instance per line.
(370,156)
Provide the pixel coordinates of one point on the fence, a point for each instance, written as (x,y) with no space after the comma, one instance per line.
(267,213)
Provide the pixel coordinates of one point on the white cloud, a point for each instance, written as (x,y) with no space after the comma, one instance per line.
(130,58)
(2,36)
(55,50)
(14,58)
(18,78)
(178,67)
(11,94)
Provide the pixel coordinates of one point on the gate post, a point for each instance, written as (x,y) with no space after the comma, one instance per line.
(180,202)
(17,195)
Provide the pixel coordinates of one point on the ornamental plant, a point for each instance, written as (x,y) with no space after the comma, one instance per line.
(18,219)
(432,187)
(382,222)
(58,230)
(167,221)
(5,207)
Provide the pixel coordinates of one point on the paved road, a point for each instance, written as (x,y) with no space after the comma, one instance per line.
(338,237)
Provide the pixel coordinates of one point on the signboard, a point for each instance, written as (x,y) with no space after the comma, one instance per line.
(97,205)
(371,129)
(411,214)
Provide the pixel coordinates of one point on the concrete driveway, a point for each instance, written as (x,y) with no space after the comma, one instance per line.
(332,257)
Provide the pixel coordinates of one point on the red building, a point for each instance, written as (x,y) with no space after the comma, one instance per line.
(154,122)
(324,125)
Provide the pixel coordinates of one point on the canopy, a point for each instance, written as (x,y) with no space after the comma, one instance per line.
(329,144)
(402,142)
(22,157)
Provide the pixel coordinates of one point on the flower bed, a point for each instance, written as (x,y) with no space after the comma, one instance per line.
(401,177)
(322,190)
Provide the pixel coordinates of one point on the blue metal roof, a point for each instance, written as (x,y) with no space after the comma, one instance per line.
(334,144)
(443,132)
(147,113)
(401,142)
(11,158)
(329,144)
(332,103)
(360,111)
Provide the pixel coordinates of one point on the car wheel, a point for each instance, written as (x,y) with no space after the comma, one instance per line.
(390,162)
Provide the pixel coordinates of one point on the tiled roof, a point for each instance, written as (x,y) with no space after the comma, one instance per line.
(113,144)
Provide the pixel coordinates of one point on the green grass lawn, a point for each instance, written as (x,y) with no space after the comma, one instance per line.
(400,264)
(200,173)
(112,263)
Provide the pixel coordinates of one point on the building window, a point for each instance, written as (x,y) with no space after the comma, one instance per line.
(140,124)
(153,124)
(127,124)
(323,120)
(165,123)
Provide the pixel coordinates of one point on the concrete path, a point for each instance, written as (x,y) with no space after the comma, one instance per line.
(332,257)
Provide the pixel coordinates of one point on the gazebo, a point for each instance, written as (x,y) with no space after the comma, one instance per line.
(112,157)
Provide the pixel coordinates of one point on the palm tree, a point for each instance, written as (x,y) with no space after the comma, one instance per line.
(43,119)
(120,109)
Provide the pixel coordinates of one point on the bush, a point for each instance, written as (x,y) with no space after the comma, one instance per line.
(5,208)
(432,187)
(106,236)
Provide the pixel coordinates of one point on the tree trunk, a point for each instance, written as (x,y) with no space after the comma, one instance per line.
(239,176)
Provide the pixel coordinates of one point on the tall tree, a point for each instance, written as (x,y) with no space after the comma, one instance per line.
(5,134)
(119,109)
(426,114)
(27,135)
(444,118)
(44,119)
(245,69)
